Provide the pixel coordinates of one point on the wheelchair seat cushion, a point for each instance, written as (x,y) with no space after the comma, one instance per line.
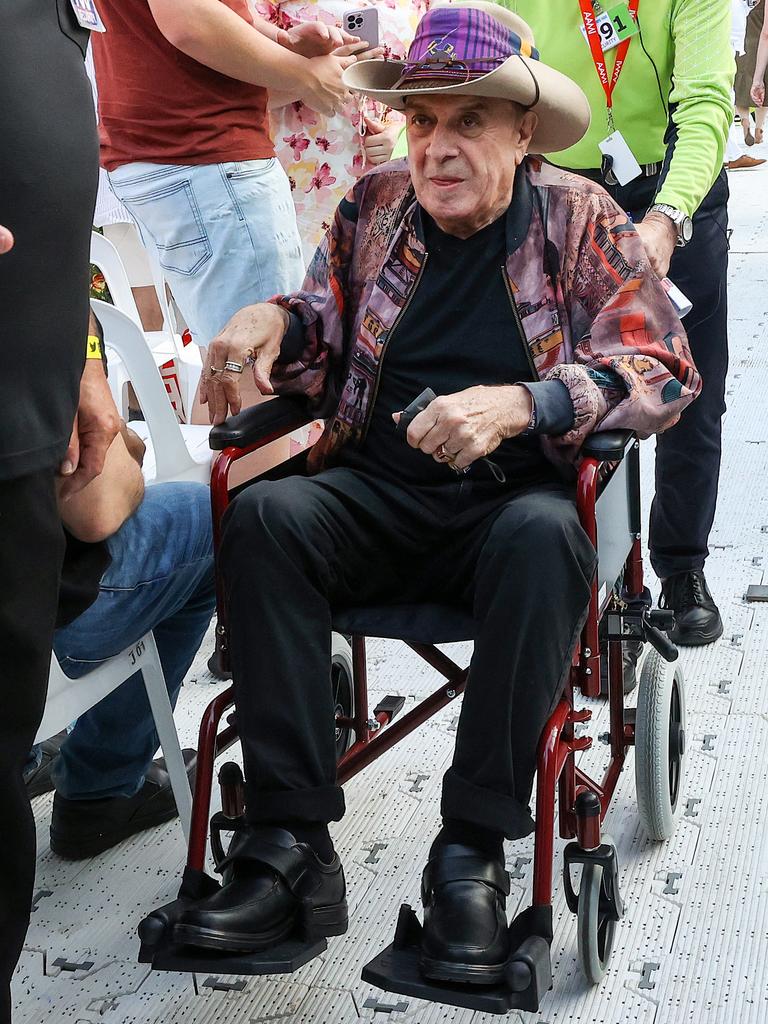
(418,623)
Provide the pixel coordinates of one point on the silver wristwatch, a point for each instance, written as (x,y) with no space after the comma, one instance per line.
(681,220)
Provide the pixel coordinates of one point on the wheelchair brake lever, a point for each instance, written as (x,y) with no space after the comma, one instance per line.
(661,642)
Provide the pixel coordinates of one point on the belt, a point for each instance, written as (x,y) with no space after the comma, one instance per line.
(596,173)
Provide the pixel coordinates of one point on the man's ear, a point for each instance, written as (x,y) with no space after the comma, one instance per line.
(529,122)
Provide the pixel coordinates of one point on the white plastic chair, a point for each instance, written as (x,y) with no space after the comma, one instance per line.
(174,451)
(69,698)
(165,344)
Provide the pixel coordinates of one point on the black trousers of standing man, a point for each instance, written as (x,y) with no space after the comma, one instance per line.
(48,176)
(293,549)
(688,455)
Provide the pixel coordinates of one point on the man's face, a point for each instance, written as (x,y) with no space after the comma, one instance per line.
(463,153)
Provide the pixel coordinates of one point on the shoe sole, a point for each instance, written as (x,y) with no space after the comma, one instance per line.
(83,848)
(462,974)
(326,921)
(695,639)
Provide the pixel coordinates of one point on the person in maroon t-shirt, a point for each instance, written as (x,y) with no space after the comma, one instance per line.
(185,139)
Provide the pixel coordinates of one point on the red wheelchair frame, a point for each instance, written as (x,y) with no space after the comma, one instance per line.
(578,818)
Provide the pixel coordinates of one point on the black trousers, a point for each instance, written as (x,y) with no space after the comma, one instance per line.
(31,553)
(688,455)
(293,549)
(48,176)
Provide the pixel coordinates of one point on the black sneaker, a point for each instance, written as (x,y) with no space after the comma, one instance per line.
(39,780)
(697,619)
(85,828)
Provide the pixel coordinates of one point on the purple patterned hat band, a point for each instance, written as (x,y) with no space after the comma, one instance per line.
(461,43)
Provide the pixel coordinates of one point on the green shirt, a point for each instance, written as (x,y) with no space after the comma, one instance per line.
(688,42)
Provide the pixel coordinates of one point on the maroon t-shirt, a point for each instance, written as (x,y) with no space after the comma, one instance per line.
(157,104)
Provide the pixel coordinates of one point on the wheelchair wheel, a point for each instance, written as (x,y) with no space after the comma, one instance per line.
(342,681)
(594,928)
(659,744)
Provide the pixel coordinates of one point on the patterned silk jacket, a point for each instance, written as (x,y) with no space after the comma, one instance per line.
(586,303)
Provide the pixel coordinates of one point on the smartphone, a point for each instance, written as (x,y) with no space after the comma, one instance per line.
(365,24)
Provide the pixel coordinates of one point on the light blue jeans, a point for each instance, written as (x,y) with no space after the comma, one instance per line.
(161,578)
(225,234)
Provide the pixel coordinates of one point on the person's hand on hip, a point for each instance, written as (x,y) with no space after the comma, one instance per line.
(253,336)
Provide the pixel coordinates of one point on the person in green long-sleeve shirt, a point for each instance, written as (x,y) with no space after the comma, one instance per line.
(672,105)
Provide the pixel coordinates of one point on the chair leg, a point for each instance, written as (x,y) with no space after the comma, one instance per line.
(162,712)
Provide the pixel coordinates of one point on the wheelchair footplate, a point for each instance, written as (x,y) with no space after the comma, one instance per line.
(528,972)
(164,953)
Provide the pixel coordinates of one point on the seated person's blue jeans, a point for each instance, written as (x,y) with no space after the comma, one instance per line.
(161,578)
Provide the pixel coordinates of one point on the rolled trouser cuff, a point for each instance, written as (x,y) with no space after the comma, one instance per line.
(485,807)
(321,804)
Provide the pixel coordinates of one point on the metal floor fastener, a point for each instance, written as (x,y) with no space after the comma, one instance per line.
(693,945)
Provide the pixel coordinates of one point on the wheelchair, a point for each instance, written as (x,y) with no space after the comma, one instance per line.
(608,499)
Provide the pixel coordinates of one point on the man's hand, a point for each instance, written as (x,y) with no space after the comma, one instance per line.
(314,38)
(659,236)
(379,140)
(96,424)
(6,240)
(459,429)
(254,334)
(757,92)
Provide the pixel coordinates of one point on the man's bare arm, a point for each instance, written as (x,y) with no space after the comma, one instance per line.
(213,34)
(101,508)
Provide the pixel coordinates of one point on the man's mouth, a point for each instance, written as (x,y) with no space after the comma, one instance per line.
(445,182)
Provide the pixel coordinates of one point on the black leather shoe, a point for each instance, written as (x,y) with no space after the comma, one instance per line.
(697,620)
(85,828)
(465,937)
(267,875)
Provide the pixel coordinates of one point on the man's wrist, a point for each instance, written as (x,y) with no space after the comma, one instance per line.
(520,407)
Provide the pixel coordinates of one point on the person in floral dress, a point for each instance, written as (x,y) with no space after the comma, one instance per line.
(322,155)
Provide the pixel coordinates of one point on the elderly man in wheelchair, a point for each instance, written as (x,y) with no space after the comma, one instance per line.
(522,297)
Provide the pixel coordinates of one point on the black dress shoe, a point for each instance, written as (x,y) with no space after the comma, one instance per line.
(697,619)
(85,828)
(267,877)
(465,937)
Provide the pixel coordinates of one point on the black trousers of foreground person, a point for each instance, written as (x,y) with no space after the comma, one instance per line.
(688,455)
(293,549)
(48,176)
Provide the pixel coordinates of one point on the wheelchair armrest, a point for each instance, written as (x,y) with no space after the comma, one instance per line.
(607,445)
(275,418)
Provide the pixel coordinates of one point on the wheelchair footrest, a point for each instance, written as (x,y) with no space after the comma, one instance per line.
(164,953)
(528,971)
(391,706)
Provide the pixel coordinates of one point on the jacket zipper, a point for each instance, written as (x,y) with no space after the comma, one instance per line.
(393,328)
(519,323)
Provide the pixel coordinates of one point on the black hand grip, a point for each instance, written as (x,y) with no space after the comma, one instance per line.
(412,411)
(661,642)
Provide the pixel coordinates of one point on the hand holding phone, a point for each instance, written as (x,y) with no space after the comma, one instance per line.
(364,24)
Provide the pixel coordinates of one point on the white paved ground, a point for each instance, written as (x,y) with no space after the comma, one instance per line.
(693,945)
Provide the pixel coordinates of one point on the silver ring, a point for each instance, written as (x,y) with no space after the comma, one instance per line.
(233,365)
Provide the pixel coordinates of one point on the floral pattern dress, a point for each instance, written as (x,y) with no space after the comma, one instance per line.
(323,155)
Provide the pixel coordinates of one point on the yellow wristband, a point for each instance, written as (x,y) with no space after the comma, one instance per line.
(93,349)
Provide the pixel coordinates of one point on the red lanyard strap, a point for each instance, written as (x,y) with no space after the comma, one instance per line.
(596,46)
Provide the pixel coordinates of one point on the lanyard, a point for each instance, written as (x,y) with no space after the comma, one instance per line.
(598,55)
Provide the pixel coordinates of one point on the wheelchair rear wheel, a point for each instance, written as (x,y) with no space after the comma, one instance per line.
(594,927)
(659,744)
(342,681)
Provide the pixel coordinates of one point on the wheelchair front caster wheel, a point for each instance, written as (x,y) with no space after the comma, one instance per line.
(659,744)
(594,927)
(342,681)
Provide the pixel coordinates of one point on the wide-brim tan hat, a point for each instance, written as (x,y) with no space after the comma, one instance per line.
(454,44)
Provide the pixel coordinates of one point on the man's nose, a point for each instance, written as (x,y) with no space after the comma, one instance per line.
(442,144)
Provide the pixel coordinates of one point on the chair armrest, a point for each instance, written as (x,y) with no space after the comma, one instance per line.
(607,445)
(271,419)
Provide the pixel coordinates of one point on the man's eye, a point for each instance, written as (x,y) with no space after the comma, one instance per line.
(469,122)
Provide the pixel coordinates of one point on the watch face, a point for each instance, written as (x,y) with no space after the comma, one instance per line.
(686,229)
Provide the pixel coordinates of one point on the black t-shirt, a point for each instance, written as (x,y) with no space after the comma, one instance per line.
(458,331)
